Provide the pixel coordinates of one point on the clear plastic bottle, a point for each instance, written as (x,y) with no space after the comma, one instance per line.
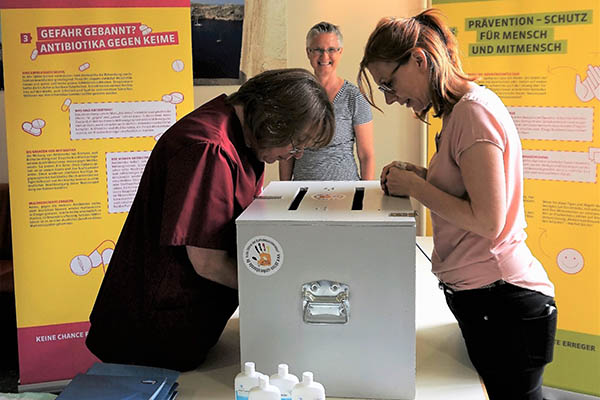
(246,380)
(308,389)
(264,391)
(284,381)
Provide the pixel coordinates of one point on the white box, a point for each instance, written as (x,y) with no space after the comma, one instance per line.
(329,289)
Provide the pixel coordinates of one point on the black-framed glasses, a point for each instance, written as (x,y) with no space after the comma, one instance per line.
(386,87)
(295,150)
(320,51)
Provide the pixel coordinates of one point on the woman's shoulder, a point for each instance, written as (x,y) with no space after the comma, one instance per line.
(350,92)
(478,99)
(350,87)
(479,94)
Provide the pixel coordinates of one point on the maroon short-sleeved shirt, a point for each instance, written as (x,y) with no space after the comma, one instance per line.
(198,179)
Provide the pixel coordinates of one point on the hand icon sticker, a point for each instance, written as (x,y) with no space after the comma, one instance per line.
(263,255)
(588,88)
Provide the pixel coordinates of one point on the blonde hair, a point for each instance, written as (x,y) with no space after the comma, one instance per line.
(394,40)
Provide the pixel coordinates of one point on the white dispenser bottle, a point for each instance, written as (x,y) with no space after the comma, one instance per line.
(284,381)
(246,380)
(264,390)
(308,389)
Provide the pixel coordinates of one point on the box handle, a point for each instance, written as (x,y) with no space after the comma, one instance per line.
(325,302)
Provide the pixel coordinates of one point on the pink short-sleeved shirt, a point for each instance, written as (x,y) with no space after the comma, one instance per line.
(463,259)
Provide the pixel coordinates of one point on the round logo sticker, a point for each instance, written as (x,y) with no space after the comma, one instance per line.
(263,255)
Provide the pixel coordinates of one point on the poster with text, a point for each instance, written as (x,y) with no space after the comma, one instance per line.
(90,86)
(543,59)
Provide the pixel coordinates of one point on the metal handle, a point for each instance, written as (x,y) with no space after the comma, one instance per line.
(325,302)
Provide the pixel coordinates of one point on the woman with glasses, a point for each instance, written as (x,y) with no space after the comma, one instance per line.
(353,118)
(498,291)
(172,281)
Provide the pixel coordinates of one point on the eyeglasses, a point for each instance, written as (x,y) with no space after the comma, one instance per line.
(295,151)
(320,51)
(386,87)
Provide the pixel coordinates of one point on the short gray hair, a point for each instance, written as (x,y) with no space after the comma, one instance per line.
(324,27)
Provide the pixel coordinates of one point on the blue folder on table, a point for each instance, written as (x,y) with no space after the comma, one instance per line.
(108,387)
(168,391)
(109,381)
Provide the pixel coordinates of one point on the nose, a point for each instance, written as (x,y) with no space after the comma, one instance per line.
(288,156)
(324,57)
(390,98)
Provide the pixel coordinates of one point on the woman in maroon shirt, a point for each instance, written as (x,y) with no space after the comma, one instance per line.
(171,284)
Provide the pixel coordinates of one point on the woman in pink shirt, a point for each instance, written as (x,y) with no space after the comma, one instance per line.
(499,293)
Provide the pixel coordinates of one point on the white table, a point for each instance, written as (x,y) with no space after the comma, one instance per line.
(443,368)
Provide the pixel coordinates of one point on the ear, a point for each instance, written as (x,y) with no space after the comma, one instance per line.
(341,50)
(419,57)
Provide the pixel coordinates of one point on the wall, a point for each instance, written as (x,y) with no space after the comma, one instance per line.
(398,135)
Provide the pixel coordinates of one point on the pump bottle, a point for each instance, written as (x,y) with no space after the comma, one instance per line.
(308,389)
(284,381)
(264,391)
(246,380)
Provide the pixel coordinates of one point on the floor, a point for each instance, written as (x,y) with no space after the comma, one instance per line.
(9,367)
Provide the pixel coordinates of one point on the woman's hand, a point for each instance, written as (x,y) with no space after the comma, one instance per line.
(398,178)
(420,171)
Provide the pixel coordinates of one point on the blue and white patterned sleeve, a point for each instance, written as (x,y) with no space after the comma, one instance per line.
(362,109)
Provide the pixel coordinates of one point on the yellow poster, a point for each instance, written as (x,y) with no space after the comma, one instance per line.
(543,59)
(89,88)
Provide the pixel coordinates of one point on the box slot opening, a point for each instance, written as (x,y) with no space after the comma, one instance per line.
(298,198)
(359,195)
